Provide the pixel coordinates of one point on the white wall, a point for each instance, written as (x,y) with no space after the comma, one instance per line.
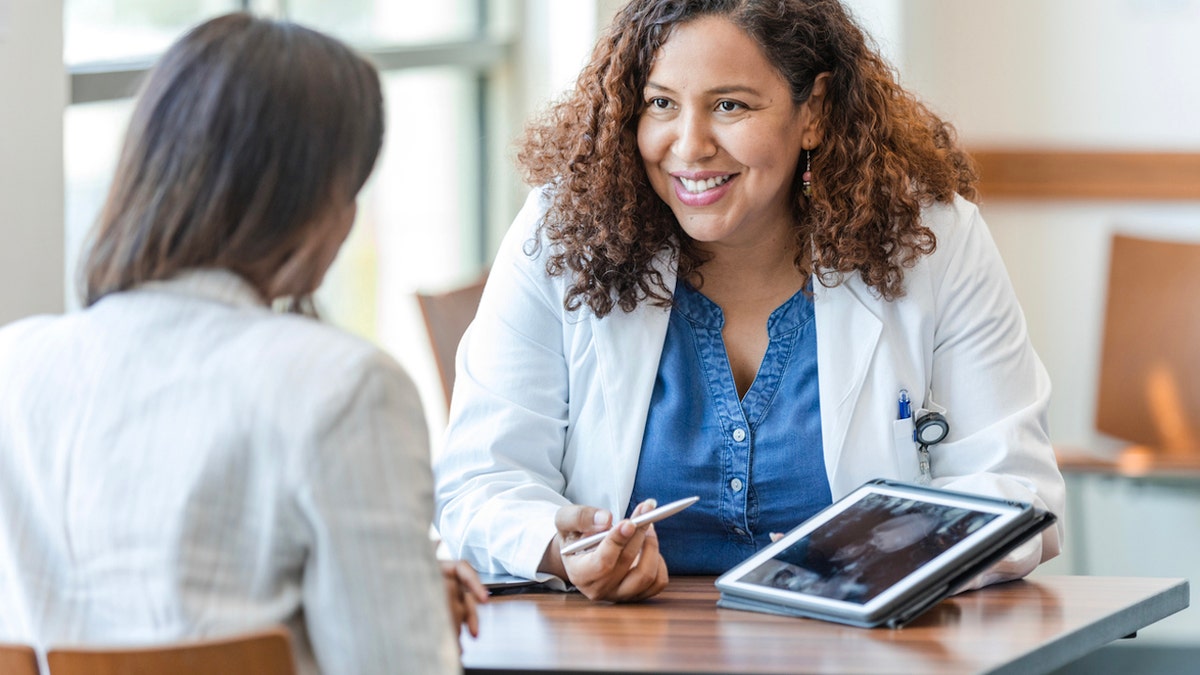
(1068,73)
(33,94)
(1091,74)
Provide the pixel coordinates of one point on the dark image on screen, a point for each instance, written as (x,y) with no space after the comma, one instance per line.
(868,547)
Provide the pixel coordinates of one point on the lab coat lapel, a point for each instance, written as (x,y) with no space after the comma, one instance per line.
(847,335)
(628,348)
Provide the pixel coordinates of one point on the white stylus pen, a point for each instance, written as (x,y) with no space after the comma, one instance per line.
(592,541)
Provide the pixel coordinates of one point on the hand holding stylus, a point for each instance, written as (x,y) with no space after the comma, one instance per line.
(626,566)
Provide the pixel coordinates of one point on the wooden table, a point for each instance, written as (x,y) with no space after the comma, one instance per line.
(1030,626)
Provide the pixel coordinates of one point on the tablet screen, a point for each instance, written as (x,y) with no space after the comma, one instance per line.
(874,543)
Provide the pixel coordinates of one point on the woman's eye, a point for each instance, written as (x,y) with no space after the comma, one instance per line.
(729,106)
(659,102)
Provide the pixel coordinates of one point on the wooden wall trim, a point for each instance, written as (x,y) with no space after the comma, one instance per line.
(1060,174)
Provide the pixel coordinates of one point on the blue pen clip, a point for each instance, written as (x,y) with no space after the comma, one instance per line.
(905,409)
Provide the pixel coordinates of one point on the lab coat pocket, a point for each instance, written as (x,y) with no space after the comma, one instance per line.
(907,460)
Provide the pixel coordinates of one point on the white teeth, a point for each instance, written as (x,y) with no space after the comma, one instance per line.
(698,186)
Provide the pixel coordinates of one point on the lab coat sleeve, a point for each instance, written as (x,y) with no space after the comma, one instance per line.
(995,389)
(499,480)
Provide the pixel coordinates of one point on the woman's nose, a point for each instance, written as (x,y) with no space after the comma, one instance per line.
(694,139)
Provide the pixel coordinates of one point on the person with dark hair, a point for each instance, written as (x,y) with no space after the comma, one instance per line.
(747,243)
(177,460)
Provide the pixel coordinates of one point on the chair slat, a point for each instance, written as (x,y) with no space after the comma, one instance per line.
(266,652)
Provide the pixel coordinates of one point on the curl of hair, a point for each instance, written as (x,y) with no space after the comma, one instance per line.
(884,157)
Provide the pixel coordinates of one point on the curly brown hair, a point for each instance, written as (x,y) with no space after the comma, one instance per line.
(884,156)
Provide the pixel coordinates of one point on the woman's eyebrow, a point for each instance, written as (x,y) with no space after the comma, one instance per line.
(735,89)
(719,91)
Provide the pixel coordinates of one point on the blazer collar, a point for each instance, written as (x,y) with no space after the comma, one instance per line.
(219,285)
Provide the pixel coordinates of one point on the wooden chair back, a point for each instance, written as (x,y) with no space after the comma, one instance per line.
(447,316)
(1149,392)
(266,652)
(18,660)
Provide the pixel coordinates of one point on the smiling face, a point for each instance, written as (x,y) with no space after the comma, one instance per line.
(721,138)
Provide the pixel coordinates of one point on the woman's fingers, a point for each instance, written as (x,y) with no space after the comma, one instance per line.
(626,566)
(574,520)
(470,603)
(471,582)
(648,577)
(473,593)
(464,592)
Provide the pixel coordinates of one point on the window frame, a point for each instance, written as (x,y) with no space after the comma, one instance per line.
(483,54)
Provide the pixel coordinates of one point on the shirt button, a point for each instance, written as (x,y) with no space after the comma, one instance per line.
(739,435)
(736,484)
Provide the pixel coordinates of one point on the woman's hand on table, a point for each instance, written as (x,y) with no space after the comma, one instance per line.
(625,567)
(464,591)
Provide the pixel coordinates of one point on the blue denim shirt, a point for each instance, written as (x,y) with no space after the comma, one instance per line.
(756,463)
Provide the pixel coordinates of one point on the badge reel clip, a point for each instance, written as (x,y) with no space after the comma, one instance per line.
(930,428)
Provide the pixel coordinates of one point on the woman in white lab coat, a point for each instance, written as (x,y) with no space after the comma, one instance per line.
(751,243)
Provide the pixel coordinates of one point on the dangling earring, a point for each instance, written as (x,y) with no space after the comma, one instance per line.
(806,177)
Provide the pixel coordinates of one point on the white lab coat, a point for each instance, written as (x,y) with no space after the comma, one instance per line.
(550,406)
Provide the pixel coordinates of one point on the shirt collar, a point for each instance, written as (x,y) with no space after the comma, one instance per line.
(698,309)
(220,285)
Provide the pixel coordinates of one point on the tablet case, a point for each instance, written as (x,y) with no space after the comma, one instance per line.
(915,604)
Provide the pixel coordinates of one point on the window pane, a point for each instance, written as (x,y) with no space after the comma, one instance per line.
(92,141)
(368,23)
(417,221)
(107,30)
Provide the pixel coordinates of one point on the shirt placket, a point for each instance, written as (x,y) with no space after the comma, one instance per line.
(737,437)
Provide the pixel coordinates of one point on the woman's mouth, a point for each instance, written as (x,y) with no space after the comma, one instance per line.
(702,190)
(697,186)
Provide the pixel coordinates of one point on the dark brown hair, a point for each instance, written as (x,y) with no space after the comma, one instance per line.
(244,134)
(884,155)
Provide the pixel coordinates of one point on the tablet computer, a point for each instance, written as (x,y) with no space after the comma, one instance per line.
(881,555)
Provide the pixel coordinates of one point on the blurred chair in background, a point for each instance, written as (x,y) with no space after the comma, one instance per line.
(1129,513)
(265,652)
(1149,388)
(447,315)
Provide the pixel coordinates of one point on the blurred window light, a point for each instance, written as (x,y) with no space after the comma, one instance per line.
(120,30)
